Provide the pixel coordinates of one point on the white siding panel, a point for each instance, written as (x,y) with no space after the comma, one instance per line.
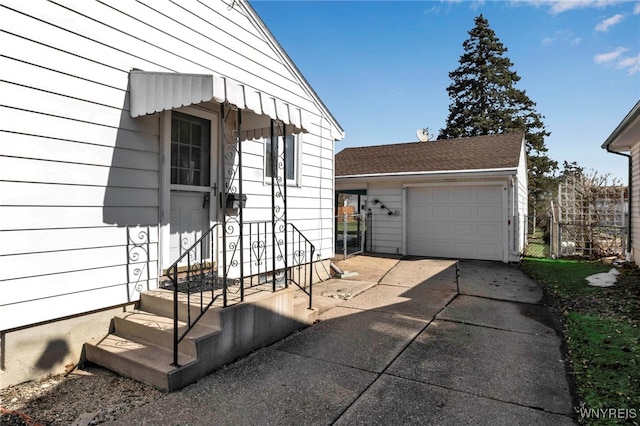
(57,60)
(52,104)
(31,194)
(386,229)
(229,23)
(49,263)
(205,38)
(635,202)
(27,170)
(62,305)
(15,218)
(42,32)
(38,148)
(27,122)
(44,240)
(44,79)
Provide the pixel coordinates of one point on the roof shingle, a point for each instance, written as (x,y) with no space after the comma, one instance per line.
(472,153)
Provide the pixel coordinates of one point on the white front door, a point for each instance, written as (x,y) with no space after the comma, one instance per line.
(189,221)
(192,178)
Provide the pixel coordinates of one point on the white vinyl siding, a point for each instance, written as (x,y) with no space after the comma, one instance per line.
(387,229)
(77,172)
(635,202)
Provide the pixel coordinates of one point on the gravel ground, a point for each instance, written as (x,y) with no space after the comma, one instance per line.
(89,396)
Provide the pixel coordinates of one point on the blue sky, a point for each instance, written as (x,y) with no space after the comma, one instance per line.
(381,67)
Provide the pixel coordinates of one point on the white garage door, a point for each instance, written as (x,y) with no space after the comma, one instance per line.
(463,222)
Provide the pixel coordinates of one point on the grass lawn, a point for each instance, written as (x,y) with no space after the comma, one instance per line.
(352,227)
(602,329)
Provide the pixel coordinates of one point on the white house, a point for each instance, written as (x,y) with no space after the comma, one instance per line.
(459,198)
(129,130)
(625,140)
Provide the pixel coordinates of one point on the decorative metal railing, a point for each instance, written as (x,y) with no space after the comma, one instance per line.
(301,269)
(201,282)
(194,274)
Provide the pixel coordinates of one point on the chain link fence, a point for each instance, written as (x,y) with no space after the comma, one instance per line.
(538,236)
(546,238)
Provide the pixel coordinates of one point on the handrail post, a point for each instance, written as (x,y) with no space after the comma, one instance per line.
(344,235)
(175,315)
(313,249)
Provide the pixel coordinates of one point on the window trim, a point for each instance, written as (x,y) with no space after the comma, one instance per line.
(210,147)
(297,144)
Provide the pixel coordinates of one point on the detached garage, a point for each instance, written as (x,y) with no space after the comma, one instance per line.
(459,198)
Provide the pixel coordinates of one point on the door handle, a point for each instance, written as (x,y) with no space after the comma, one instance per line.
(205,201)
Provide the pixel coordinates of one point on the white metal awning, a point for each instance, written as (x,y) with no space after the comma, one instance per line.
(153,92)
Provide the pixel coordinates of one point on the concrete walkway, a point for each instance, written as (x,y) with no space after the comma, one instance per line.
(423,341)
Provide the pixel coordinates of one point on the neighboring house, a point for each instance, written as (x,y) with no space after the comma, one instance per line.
(457,198)
(625,140)
(128,130)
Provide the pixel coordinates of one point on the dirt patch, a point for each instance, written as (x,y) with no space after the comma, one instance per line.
(87,396)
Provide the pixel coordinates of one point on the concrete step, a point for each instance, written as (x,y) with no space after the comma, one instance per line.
(160,302)
(146,362)
(301,309)
(141,345)
(145,326)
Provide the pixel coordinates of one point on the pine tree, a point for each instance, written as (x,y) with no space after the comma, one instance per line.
(485,101)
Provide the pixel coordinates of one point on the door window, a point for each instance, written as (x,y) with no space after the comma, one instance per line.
(190,150)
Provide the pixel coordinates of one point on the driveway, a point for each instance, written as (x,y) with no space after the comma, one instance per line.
(433,342)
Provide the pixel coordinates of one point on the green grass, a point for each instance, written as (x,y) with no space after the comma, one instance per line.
(602,329)
(352,227)
(563,278)
(605,356)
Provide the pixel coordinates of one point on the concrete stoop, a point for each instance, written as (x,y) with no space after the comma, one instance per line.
(140,343)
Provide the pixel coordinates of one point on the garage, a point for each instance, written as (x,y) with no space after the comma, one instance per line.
(463,198)
(463,222)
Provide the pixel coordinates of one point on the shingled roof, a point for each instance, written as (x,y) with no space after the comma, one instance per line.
(473,153)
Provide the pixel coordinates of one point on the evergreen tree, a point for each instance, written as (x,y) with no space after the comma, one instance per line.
(485,101)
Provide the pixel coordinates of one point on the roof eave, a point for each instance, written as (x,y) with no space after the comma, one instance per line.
(626,134)
(437,173)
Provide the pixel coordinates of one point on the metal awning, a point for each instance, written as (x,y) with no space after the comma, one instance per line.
(153,92)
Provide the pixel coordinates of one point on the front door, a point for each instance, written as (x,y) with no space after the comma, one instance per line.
(191,188)
(189,221)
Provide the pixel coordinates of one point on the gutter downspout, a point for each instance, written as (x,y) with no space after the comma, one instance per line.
(629,217)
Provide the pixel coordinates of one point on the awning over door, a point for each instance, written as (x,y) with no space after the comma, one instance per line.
(153,92)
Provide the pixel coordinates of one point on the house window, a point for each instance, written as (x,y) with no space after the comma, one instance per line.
(190,150)
(290,157)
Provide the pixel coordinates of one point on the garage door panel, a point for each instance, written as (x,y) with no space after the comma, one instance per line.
(439,195)
(439,213)
(488,251)
(440,230)
(464,213)
(463,231)
(490,194)
(490,213)
(463,222)
(488,231)
(463,250)
(464,195)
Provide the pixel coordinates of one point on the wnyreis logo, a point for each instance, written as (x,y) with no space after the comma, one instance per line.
(606,413)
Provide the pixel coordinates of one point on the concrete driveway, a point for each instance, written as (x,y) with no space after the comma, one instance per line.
(424,341)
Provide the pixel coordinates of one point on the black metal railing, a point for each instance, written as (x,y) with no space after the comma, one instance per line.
(196,275)
(301,269)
